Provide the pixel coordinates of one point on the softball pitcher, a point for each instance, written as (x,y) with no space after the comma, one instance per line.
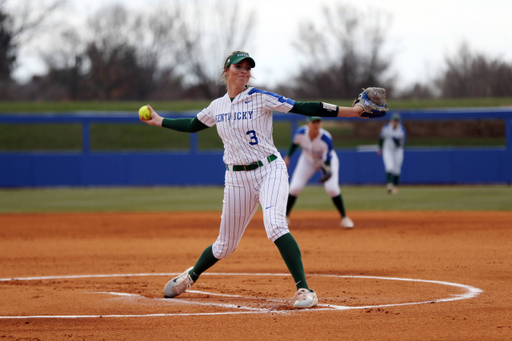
(317,154)
(391,147)
(255,172)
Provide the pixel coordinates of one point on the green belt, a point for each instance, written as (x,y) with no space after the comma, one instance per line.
(253,165)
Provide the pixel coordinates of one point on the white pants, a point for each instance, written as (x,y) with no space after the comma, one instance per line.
(393,160)
(306,168)
(243,191)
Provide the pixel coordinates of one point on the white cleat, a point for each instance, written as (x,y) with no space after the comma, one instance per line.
(305,298)
(347,223)
(178,285)
(389,188)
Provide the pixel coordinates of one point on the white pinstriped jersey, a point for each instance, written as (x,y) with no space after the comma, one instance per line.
(319,150)
(245,124)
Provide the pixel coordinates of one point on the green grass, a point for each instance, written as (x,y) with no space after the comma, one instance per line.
(457,142)
(118,137)
(366,198)
(450,103)
(111,199)
(37,137)
(125,137)
(114,137)
(413,198)
(122,137)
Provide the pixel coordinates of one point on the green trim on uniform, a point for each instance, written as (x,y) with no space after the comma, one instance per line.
(396,179)
(381,142)
(292,257)
(338,202)
(306,108)
(290,203)
(252,166)
(292,149)
(205,261)
(318,109)
(187,125)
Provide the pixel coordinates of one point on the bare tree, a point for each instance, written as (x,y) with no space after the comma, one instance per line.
(419,91)
(7,46)
(470,74)
(20,22)
(136,55)
(65,64)
(120,55)
(344,55)
(210,30)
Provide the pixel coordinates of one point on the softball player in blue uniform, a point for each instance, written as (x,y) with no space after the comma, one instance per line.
(255,172)
(317,154)
(391,147)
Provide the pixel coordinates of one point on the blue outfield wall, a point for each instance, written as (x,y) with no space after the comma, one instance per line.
(357,167)
(469,166)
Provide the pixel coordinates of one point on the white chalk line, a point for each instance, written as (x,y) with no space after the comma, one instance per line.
(471,292)
(184,301)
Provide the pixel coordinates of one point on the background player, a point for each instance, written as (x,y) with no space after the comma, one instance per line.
(391,147)
(317,154)
(255,172)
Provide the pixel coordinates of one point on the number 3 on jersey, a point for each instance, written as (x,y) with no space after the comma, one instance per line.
(252,136)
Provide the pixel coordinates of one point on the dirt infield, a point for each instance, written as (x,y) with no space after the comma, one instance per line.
(395,276)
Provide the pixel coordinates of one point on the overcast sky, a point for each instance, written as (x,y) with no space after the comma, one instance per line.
(421,35)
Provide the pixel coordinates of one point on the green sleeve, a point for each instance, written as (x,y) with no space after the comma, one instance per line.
(187,125)
(381,142)
(313,109)
(292,149)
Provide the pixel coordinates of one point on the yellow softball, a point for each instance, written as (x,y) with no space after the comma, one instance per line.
(145,113)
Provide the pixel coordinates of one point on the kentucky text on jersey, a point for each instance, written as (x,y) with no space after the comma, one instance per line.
(241,115)
(245,128)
